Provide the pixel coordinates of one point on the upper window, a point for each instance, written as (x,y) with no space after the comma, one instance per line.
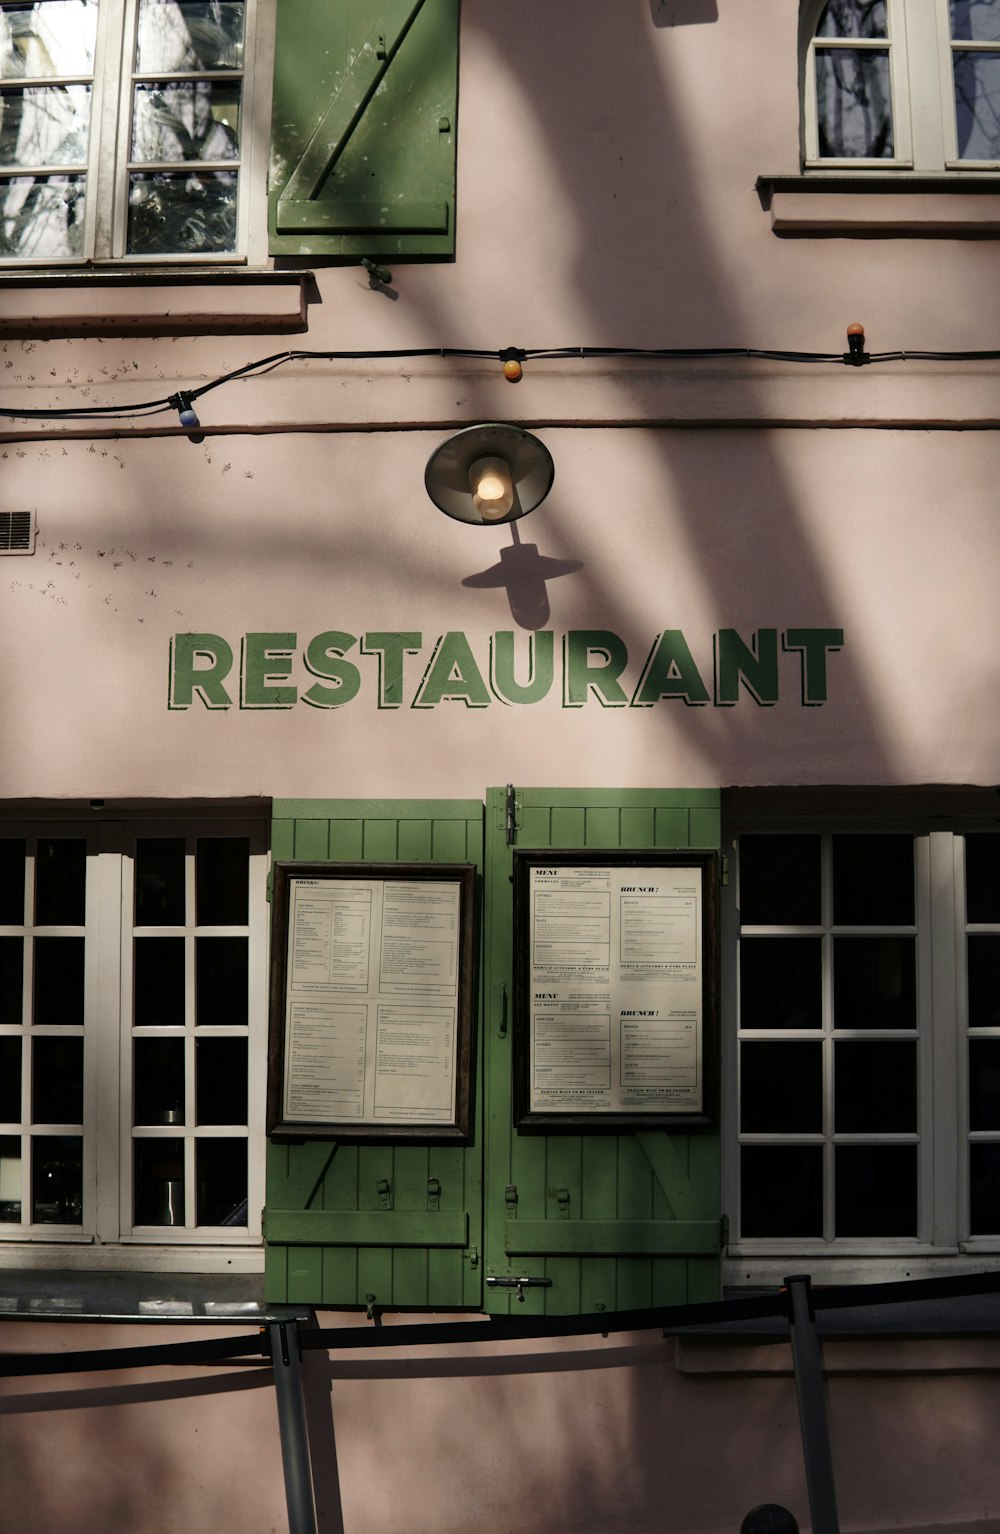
(124,129)
(906,84)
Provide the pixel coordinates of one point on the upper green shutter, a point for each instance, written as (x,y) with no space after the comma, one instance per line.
(363,131)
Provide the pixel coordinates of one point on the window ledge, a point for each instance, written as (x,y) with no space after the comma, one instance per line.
(147,302)
(877,204)
(189,1298)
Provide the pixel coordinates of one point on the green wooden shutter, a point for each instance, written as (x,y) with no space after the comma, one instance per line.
(397,1222)
(641,1224)
(363,128)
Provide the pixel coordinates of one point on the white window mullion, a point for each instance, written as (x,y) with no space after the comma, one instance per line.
(941,1040)
(104,889)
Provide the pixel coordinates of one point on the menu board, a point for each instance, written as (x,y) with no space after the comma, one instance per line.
(370,1013)
(615,986)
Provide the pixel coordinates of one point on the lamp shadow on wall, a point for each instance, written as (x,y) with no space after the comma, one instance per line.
(525,574)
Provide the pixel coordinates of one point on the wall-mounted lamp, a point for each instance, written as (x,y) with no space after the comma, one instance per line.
(489,474)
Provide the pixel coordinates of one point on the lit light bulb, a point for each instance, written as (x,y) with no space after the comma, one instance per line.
(491,487)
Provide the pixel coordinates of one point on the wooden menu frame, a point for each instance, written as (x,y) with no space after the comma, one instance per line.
(371,1001)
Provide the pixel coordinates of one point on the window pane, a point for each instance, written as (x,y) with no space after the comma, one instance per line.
(159,1182)
(984,1188)
(782,1190)
(190,34)
(873,880)
(984,980)
(982,878)
(852,18)
(44,125)
(222,1181)
(781,1088)
(61,882)
(59,979)
(11,979)
(876,1190)
(781,982)
(159,982)
(10,1180)
(159,881)
(222,979)
(780,880)
(10,1081)
(189,120)
(57,1081)
(41,217)
(57,1179)
(874,982)
(11,881)
(223,871)
(977,20)
(159,1081)
(853,105)
(221,1077)
(52,37)
(875,1088)
(977,105)
(182,214)
(984,1083)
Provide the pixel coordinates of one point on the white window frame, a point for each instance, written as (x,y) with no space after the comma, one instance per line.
(943,1232)
(108,165)
(107,1238)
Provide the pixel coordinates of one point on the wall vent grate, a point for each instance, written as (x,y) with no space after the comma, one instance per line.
(17,532)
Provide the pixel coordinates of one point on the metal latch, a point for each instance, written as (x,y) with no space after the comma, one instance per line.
(434,1193)
(520,1284)
(562,1199)
(384,1191)
(510,1200)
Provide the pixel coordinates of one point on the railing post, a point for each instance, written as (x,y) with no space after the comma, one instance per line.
(807,1360)
(292,1427)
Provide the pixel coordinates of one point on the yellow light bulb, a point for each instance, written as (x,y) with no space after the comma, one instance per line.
(491,488)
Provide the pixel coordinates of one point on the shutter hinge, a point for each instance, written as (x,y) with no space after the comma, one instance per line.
(384,1190)
(269,888)
(434,1193)
(725,870)
(510,821)
(562,1199)
(472,1256)
(724,1231)
(510,1200)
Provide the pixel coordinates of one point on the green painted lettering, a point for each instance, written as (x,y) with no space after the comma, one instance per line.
(593,658)
(266,659)
(198,664)
(756,663)
(541,651)
(813,645)
(452,674)
(324,657)
(670,672)
(390,649)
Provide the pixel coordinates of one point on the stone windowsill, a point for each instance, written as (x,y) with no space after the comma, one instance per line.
(875,204)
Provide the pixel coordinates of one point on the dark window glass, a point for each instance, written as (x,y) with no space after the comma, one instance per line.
(984,980)
(874,982)
(159,981)
(782,1190)
(57,1080)
(875,1087)
(222,979)
(61,882)
(57,1179)
(221,1077)
(11,880)
(982,878)
(11,979)
(159,1081)
(223,880)
(984,1083)
(984,1187)
(59,977)
(781,1088)
(159,882)
(11,1175)
(10,1081)
(975,20)
(159,1182)
(854,103)
(222,1181)
(873,881)
(780,880)
(853,18)
(876,1190)
(781,982)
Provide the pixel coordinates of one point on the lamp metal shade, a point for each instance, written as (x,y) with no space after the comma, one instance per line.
(447,474)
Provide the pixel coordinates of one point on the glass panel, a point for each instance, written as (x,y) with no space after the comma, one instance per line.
(59,978)
(159,1182)
(222,1181)
(781,1190)
(781,1088)
(12,881)
(11,979)
(222,979)
(977,20)
(221,1081)
(159,1081)
(223,873)
(41,217)
(190,120)
(44,125)
(11,1175)
(10,1081)
(874,982)
(159,881)
(57,1179)
(853,106)
(61,882)
(853,18)
(982,878)
(159,982)
(984,980)
(984,1188)
(183,214)
(52,37)
(780,880)
(984,1083)
(875,1088)
(57,1081)
(977,105)
(873,881)
(190,34)
(781,982)
(876,1190)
